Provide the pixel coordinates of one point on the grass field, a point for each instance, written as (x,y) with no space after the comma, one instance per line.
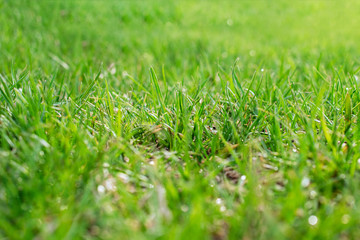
(179,119)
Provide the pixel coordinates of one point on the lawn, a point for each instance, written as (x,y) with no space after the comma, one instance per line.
(179,119)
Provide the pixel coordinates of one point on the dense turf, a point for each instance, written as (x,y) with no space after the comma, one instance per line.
(179,119)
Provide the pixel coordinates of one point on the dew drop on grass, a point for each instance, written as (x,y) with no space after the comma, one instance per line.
(44,143)
(223,208)
(218,201)
(110,184)
(242,180)
(112,70)
(313,194)
(101,189)
(313,220)
(305,182)
(123,177)
(356,78)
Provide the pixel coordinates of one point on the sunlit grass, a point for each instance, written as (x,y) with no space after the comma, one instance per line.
(173,120)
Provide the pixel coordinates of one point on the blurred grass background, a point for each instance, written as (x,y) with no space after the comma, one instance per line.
(179,34)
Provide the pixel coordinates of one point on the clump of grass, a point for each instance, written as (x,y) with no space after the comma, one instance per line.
(147,140)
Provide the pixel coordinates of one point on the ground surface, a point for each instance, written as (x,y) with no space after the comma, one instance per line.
(179,119)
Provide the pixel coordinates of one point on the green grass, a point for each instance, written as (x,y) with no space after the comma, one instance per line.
(179,119)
